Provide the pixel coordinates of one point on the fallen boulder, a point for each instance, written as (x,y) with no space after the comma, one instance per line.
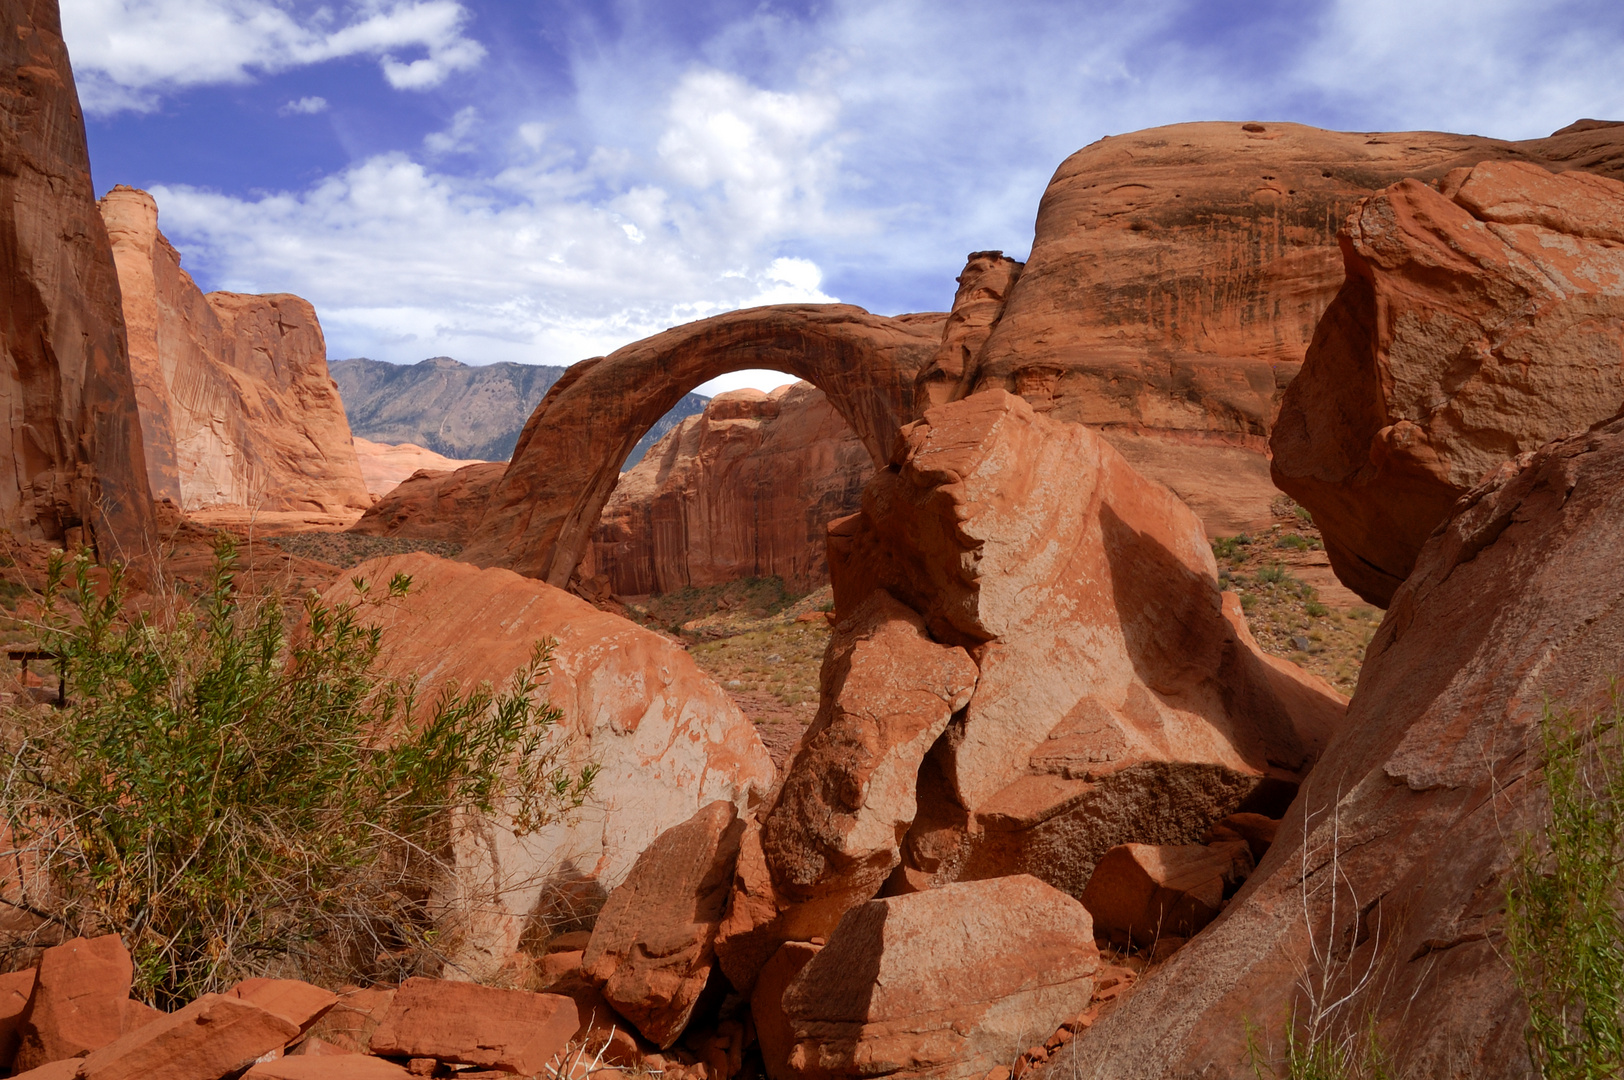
(211,1038)
(653,947)
(297,1002)
(1141,893)
(1479,320)
(773,1029)
(15,990)
(466,1024)
(947,983)
(78,1004)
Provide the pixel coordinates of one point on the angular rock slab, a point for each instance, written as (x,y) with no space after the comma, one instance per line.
(78,1004)
(212,1037)
(15,990)
(1479,320)
(848,797)
(1144,892)
(467,1024)
(338,1067)
(654,944)
(1517,602)
(946,984)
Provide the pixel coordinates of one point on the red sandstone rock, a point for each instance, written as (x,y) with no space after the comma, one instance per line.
(66,1069)
(1257,831)
(848,797)
(345,1067)
(666,738)
(349,1024)
(773,1030)
(15,990)
(78,1004)
(211,1038)
(984,287)
(385,466)
(73,444)
(465,1024)
(300,1003)
(743,490)
(1516,602)
(1119,700)
(653,947)
(434,505)
(568,459)
(1145,892)
(237,406)
(941,983)
(1477,323)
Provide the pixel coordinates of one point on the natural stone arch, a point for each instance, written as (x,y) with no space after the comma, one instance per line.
(540,515)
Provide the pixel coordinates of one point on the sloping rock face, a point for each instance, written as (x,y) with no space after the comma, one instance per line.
(568,460)
(236,404)
(1413,813)
(385,466)
(70,452)
(1176,278)
(1119,697)
(1479,321)
(434,505)
(667,739)
(945,984)
(746,489)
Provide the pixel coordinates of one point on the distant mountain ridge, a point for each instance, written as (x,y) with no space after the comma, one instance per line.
(461,410)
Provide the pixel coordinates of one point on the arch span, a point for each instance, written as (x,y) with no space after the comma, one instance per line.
(540,515)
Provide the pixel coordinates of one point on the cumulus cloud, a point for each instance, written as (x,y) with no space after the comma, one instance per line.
(307,106)
(128,53)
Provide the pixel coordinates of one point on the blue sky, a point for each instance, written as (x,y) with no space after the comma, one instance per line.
(546,181)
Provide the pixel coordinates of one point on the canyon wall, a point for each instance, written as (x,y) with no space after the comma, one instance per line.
(237,408)
(746,489)
(70,452)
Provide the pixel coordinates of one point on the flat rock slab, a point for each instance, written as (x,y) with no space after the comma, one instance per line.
(338,1067)
(78,1003)
(208,1039)
(298,1002)
(467,1024)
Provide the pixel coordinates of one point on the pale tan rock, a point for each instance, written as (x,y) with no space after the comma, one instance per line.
(384,466)
(1141,893)
(653,947)
(848,797)
(78,1003)
(238,409)
(461,1023)
(70,451)
(942,983)
(208,1039)
(1477,323)
(666,738)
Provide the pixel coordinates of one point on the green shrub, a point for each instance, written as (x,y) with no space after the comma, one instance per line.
(234,798)
(1292,542)
(1564,932)
(1273,573)
(1316,609)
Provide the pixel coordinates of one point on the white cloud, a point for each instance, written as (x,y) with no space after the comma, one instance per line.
(453,139)
(308,106)
(128,53)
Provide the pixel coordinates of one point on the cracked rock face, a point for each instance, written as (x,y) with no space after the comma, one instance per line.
(1479,320)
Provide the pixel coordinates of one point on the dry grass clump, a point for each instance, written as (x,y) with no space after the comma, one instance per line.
(235,797)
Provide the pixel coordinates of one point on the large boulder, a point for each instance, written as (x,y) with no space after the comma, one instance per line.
(434,504)
(79,1001)
(666,739)
(945,984)
(1390,871)
(485,1026)
(742,490)
(654,944)
(237,408)
(71,450)
(1480,319)
(1120,698)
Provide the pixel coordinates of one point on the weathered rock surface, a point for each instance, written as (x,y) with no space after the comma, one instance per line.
(434,505)
(349,1024)
(1119,699)
(667,739)
(213,1037)
(297,1002)
(653,947)
(1176,278)
(464,1024)
(384,466)
(70,451)
(848,798)
(78,1003)
(541,515)
(1412,813)
(745,489)
(773,1029)
(1140,893)
(343,1067)
(1478,321)
(947,983)
(15,990)
(237,406)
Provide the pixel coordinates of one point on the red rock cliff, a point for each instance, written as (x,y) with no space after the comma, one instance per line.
(237,407)
(70,451)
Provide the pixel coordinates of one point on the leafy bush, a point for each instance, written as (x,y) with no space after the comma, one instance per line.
(1273,573)
(236,799)
(1564,932)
